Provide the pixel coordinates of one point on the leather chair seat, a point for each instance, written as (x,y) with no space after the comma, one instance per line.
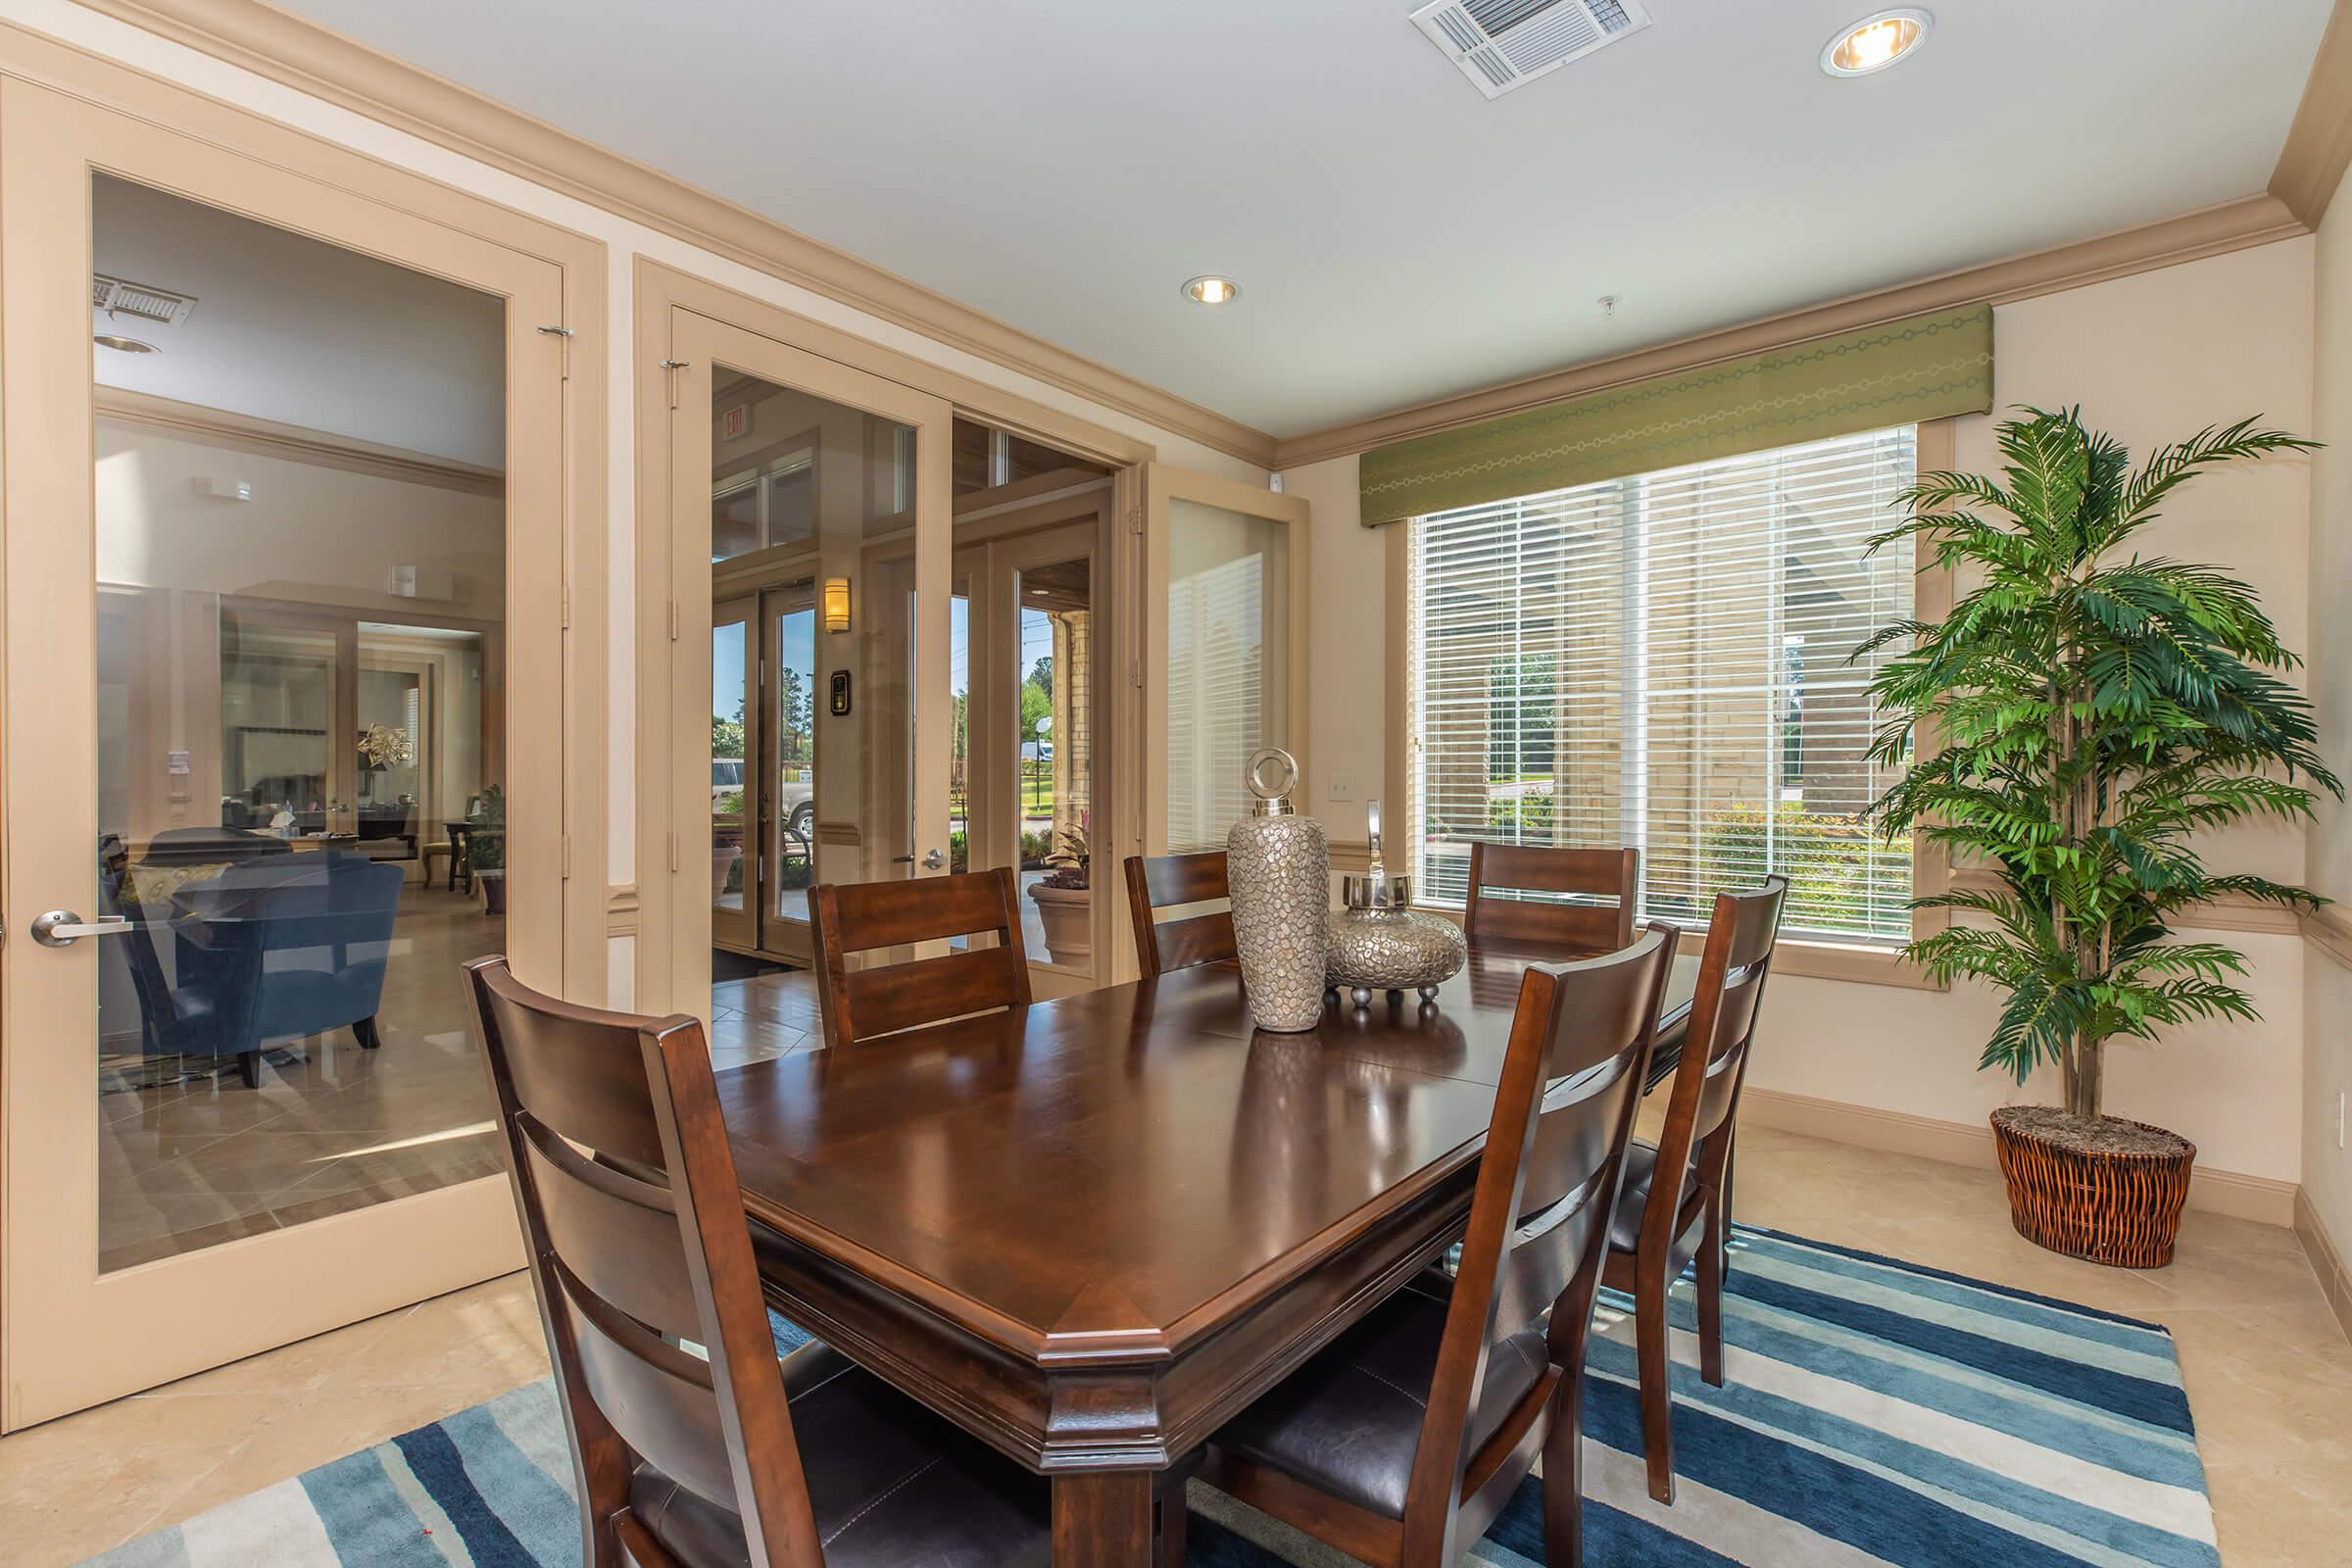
(890,1482)
(1633,1196)
(1348,1422)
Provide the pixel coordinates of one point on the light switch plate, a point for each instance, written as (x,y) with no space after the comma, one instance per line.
(1342,785)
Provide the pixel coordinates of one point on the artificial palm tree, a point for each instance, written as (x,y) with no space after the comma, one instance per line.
(2093,710)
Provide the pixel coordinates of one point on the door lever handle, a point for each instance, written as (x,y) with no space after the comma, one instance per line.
(62,928)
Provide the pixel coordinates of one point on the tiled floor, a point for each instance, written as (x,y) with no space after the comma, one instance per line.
(2269,1374)
(331,1127)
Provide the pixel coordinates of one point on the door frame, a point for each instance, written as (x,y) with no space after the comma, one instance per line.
(1163,486)
(646,913)
(93,114)
(694,346)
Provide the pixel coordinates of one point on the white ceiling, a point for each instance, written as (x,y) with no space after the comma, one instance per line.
(1064,165)
(291,329)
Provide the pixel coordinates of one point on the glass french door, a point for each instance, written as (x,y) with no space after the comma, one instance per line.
(821,588)
(763,723)
(283,567)
(1030,712)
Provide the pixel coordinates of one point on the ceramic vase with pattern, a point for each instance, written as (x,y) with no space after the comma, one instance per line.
(1277,870)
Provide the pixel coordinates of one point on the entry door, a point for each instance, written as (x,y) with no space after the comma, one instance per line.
(856,538)
(1036,752)
(1226,579)
(242,1103)
(735,793)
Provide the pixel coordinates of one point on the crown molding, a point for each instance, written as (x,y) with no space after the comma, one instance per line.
(2319,144)
(2328,929)
(2210,231)
(293,443)
(325,64)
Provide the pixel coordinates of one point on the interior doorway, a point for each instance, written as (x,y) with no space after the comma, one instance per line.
(804,495)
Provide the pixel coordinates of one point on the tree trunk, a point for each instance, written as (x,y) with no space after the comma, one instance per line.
(2095,1062)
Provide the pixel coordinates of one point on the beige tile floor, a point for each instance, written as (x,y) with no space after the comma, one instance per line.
(2269,1374)
(331,1127)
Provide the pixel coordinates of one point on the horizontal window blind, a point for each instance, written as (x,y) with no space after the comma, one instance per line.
(1216,697)
(1661,661)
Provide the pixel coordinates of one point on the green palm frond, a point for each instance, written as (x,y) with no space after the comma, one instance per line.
(2098,711)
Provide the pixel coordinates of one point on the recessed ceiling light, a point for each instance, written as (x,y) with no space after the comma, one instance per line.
(1212,290)
(1876,42)
(124,345)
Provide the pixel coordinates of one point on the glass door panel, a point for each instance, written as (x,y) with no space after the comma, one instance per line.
(270,702)
(1054,748)
(734,779)
(829,521)
(792,812)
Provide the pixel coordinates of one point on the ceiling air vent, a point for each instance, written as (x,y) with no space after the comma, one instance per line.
(1502,44)
(117,297)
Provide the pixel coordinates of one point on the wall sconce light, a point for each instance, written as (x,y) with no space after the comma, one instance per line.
(837,604)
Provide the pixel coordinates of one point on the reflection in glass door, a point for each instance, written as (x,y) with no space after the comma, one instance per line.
(261,806)
(790,814)
(1054,753)
(734,782)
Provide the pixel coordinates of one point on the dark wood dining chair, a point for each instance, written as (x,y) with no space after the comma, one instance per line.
(861,917)
(637,1240)
(1165,881)
(1400,1442)
(1660,1226)
(1572,928)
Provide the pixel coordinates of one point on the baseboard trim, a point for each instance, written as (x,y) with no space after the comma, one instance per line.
(2263,1198)
(2335,1280)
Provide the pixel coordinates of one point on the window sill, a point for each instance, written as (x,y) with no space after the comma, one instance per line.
(1855,963)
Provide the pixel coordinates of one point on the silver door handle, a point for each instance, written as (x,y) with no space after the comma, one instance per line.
(62,928)
(934,860)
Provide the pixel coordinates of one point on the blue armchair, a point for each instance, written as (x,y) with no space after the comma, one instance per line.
(278,948)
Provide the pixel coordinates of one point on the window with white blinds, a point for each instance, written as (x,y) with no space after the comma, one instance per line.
(1661,661)
(1228,685)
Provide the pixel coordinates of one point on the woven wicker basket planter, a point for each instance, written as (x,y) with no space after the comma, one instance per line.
(2118,1208)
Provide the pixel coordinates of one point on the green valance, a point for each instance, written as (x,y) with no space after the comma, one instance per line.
(1901,372)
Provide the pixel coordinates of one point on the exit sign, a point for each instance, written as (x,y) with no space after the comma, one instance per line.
(736,422)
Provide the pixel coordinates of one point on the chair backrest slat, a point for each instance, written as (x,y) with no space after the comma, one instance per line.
(1703,1105)
(1166,881)
(636,1237)
(883,1003)
(618,1235)
(863,917)
(1612,875)
(1540,1215)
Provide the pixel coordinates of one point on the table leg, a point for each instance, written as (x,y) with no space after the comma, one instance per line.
(1103,1519)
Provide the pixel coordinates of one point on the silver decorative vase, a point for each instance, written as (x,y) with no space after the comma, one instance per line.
(1379,942)
(1278,868)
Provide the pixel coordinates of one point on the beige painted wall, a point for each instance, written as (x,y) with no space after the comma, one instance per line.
(2328,985)
(2151,357)
(311,533)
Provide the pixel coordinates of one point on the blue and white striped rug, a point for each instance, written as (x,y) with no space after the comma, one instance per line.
(1871,1412)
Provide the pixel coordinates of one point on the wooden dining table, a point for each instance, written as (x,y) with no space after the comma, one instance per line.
(1092,1230)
